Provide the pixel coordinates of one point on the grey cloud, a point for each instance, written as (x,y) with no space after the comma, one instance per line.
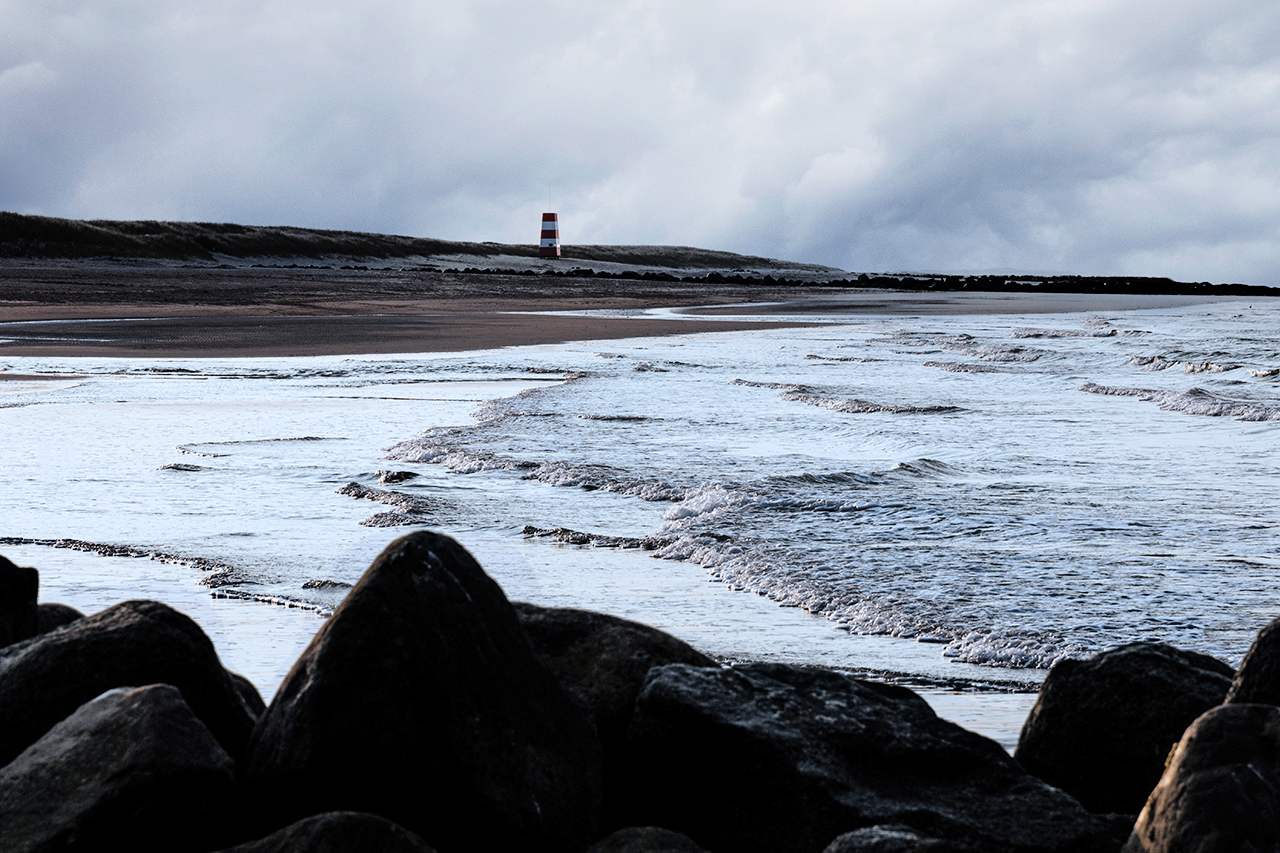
(938,134)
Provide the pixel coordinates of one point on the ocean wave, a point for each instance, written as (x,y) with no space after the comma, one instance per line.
(859,359)
(925,467)
(575,537)
(411,504)
(1003,648)
(712,499)
(590,477)
(745,567)
(1265,374)
(776,386)
(962,367)
(809,394)
(968,345)
(387,478)
(835,478)
(522,405)
(218,573)
(859,407)
(1156,362)
(1063,333)
(1151,362)
(1196,401)
(995,352)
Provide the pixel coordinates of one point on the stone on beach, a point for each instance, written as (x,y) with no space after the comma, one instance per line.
(19,614)
(337,832)
(601,661)
(1102,728)
(54,615)
(1257,680)
(132,767)
(1221,790)
(768,757)
(421,700)
(46,678)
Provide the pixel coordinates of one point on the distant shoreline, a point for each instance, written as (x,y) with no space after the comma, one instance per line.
(106,310)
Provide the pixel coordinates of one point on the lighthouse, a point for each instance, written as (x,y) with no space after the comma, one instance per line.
(549,247)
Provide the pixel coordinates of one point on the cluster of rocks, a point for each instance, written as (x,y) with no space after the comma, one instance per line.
(431,713)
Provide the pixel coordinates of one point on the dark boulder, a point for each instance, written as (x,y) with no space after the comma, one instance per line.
(768,757)
(54,615)
(646,839)
(893,838)
(601,661)
(19,615)
(1221,790)
(421,700)
(132,769)
(1258,679)
(1102,728)
(44,679)
(249,693)
(338,832)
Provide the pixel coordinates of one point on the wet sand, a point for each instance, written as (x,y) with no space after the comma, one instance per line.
(105,309)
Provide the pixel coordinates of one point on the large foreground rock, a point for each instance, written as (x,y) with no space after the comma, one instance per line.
(1102,728)
(19,614)
(421,700)
(338,832)
(55,615)
(130,770)
(601,661)
(776,758)
(46,678)
(1221,790)
(1258,679)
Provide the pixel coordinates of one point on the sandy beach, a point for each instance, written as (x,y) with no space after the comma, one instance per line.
(101,309)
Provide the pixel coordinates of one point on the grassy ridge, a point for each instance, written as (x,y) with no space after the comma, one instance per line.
(23,236)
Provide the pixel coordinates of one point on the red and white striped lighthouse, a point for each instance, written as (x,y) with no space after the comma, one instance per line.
(550,245)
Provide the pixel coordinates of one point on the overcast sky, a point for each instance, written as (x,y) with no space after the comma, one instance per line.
(1130,136)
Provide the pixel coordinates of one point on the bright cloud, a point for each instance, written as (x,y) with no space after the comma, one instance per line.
(1095,137)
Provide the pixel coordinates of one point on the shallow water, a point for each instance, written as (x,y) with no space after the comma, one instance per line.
(968,497)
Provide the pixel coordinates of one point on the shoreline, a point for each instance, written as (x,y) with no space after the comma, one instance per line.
(104,311)
(261,640)
(317,323)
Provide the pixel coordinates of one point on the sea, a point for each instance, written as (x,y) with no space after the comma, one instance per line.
(955,502)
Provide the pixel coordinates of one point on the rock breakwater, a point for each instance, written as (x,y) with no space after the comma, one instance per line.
(431,713)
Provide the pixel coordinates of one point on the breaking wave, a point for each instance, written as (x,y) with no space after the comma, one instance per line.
(1064,333)
(962,367)
(1156,362)
(859,407)
(1196,401)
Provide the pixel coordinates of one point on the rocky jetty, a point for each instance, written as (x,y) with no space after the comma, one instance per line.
(430,713)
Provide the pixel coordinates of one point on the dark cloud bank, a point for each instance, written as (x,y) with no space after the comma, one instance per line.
(1095,138)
